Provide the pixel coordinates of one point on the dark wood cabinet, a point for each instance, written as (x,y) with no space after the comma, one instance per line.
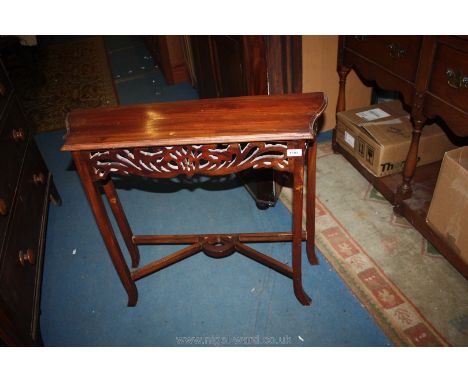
(229,71)
(218,64)
(230,66)
(25,189)
(431,75)
(168,53)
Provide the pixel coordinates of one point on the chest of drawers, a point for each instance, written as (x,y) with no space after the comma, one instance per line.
(25,190)
(431,75)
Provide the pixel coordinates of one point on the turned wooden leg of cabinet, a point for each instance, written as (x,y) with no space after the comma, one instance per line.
(310,202)
(343,72)
(404,190)
(105,227)
(301,295)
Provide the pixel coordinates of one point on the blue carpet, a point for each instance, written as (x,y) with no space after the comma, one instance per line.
(137,78)
(199,301)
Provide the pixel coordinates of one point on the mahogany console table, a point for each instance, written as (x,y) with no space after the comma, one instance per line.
(208,137)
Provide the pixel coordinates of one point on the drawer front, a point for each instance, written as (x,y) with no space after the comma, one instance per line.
(5,90)
(398,54)
(13,142)
(21,264)
(449,79)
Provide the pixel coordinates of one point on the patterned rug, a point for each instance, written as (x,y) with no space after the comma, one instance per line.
(413,293)
(77,75)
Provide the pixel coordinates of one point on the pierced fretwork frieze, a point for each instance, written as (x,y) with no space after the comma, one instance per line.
(170,161)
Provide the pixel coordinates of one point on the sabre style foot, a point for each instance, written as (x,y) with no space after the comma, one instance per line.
(302,296)
(311,256)
(132,296)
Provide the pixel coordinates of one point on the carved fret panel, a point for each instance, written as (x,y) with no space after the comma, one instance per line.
(170,161)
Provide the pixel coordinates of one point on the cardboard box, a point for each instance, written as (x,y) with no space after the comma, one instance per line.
(448,212)
(379,136)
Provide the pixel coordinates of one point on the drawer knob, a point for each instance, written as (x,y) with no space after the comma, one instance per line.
(455,78)
(3,90)
(360,38)
(395,51)
(3,207)
(18,135)
(39,178)
(27,257)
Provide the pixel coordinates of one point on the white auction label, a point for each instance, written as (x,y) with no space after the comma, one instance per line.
(294,152)
(349,139)
(373,114)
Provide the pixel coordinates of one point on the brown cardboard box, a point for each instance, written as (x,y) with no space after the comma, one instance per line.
(448,212)
(379,136)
